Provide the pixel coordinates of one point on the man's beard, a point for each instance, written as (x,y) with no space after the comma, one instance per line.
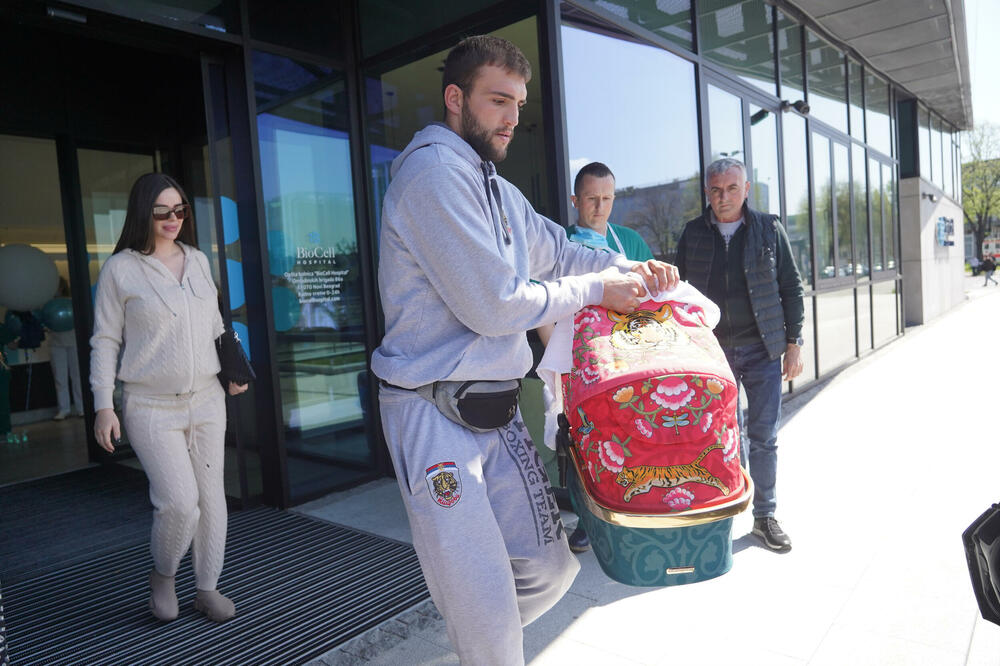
(479,137)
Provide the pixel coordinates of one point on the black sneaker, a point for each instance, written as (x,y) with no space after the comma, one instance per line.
(770,532)
(579,542)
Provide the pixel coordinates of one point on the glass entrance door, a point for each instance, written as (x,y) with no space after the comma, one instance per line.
(41,385)
(315,274)
(105,177)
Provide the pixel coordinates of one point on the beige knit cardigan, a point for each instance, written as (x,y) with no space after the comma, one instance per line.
(164,330)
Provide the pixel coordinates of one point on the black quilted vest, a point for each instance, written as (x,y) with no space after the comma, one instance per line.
(760,266)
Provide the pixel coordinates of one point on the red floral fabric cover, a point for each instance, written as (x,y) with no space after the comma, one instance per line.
(652,404)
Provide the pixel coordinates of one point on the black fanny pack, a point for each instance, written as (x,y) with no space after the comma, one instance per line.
(480,406)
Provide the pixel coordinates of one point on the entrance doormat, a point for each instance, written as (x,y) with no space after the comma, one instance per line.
(302,586)
(50,523)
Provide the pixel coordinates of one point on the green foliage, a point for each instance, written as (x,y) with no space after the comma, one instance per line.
(981,181)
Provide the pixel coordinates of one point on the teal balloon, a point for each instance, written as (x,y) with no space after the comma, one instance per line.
(57,314)
(244,334)
(287,309)
(12,323)
(234,272)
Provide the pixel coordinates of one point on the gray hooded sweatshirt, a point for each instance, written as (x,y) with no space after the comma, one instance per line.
(460,287)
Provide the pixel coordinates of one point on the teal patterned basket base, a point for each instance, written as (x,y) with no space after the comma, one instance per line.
(637,556)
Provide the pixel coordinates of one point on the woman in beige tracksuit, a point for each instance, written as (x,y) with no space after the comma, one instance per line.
(157,305)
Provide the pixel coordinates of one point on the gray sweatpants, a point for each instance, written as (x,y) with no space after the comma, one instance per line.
(485,525)
(180,441)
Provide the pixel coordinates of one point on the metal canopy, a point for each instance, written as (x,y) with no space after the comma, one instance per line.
(919,44)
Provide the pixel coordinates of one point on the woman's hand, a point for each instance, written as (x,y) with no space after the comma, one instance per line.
(236,389)
(107,429)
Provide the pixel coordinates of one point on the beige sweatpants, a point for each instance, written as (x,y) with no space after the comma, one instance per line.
(180,441)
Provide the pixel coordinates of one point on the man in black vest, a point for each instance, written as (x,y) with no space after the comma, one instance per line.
(742,260)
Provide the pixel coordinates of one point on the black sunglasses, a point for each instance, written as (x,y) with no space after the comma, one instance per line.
(161,213)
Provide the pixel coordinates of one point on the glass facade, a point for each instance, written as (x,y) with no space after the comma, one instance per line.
(937,155)
(31,164)
(876,212)
(797,218)
(864,302)
(809,372)
(936,141)
(288,199)
(890,213)
(859,187)
(652,143)
(823,185)
(842,190)
(877,114)
(827,76)
(404,99)
(313,265)
(670,19)
(924,142)
(856,99)
(835,314)
(765,192)
(740,37)
(790,59)
(947,158)
(885,324)
(105,179)
(725,125)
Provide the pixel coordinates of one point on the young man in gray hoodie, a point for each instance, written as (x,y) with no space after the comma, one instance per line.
(466,267)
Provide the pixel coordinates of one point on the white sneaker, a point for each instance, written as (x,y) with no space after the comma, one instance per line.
(60,416)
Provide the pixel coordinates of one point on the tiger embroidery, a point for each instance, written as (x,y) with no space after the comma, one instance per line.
(642,329)
(445,485)
(642,478)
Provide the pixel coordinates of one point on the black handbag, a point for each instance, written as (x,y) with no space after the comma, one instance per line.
(982,552)
(233,361)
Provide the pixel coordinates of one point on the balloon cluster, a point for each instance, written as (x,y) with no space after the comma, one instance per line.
(28,281)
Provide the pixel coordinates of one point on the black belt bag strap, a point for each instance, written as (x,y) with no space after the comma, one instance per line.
(480,406)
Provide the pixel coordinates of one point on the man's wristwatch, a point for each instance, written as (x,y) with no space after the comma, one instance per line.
(795,341)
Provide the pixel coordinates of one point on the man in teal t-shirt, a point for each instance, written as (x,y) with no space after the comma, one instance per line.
(593,197)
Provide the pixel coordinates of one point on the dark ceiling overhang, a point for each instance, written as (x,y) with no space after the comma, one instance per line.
(919,44)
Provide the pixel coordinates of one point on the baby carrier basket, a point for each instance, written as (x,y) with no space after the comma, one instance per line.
(650,438)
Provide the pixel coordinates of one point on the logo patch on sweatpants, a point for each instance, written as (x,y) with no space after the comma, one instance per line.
(444,483)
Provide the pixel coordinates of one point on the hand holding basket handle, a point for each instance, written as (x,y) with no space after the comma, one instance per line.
(236,372)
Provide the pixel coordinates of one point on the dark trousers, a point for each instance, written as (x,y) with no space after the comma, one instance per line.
(761,377)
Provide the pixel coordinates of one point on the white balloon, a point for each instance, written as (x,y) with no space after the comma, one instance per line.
(28,277)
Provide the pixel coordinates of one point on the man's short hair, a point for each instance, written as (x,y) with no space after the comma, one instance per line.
(722,165)
(463,62)
(595,169)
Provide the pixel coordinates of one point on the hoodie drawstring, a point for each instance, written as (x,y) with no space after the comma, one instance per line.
(491,186)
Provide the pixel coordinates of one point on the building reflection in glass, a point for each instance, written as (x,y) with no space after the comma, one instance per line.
(632,106)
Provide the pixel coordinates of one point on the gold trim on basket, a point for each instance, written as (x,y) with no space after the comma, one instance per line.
(677,571)
(680,519)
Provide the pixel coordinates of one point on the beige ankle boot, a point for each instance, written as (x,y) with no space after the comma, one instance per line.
(215,606)
(162,597)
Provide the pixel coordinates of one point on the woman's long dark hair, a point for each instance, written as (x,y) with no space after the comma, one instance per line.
(137,234)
